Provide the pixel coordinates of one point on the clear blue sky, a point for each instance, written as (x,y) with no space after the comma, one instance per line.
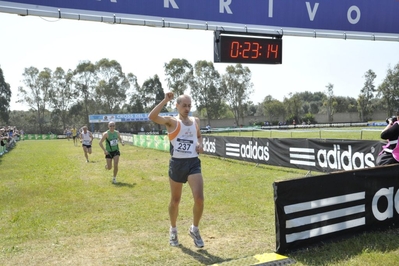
(309,64)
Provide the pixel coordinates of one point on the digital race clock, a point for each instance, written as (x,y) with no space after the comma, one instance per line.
(248,50)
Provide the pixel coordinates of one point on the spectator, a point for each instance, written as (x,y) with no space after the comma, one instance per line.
(390,152)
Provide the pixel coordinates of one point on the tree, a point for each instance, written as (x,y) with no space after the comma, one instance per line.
(250,108)
(38,91)
(389,90)
(178,74)
(111,85)
(25,120)
(293,106)
(237,87)
(366,95)
(136,104)
(63,94)
(345,104)
(205,89)
(312,102)
(5,98)
(273,109)
(330,102)
(84,79)
(151,93)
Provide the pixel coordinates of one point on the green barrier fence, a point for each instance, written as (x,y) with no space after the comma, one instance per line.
(158,142)
(39,136)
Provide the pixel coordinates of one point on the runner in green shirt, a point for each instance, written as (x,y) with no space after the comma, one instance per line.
(112,137)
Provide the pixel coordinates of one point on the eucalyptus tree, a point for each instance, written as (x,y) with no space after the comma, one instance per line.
(37,92)
(260,110)
(205,89)
(330,102)
(63,95)
(151,93)
(25,120)
(77,115)
(317,102)
(345,104)
(5,99)
(361,102)
(178,74)
(366,96)
(273,109)
(112,85)
(237,88)
(84,79)
(389,90)
(312,102)
(251,109)
(293,106)
(135,103)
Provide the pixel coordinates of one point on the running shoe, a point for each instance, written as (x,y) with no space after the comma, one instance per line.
(195,234)
(173,240)
(114,180)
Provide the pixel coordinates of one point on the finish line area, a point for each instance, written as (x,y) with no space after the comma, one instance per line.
(265,259)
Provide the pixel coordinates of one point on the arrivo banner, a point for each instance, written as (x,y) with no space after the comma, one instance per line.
(315,209)
(310,154)
(371,16)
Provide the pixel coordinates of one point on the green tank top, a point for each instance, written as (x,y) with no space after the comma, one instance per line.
(112,141)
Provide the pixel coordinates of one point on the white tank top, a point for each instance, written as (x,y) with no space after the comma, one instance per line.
(184,140)
(86,138)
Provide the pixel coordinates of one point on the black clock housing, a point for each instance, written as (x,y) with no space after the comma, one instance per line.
(248,49)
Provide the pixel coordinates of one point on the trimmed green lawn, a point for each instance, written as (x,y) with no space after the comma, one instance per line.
(56,209)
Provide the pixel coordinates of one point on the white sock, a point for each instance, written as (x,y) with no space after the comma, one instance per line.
(194,228)
(173,229)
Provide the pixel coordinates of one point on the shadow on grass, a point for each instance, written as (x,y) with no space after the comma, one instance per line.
(121,184)
(344,249)
(203,256)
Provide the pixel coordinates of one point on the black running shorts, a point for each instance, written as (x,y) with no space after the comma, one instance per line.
(180,169)
(112,154)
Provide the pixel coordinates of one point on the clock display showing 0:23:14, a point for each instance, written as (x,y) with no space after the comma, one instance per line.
(251,50)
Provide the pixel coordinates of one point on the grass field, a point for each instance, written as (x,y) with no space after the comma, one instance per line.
(56,209)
